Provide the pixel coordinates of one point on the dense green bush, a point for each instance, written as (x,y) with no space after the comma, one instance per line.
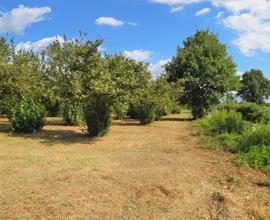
(27,116)
(228,141)
(222,122)
(257,157)
(72,113)
(160,111)
(146,113)
(120,110)
(250,111)
(251,144)
(176,109)
(132,112)
(97,113)
(258,136)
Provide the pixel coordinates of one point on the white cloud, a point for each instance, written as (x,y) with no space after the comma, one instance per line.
(38,45)
(138,55)
(239,73)
(18,19)
(158,68)
(203,12)
(176,5)
(220,15)
(110,21)
(132,23)
(101,49)
(176,9)
(250,19)
(176,2)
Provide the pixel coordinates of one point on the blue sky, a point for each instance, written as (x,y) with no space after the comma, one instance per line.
(147,30)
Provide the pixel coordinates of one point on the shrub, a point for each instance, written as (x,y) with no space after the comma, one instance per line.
(222,122)
(228,141)
(160,111)
(176,109)
(257,157)
(146,113)
(132,112)
(97,113)
(72,113)
(120,110)
(198,111)
(250,111)
(27,116)
(258,136)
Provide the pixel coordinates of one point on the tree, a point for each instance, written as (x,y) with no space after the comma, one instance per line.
(206,69)
(65,64)
(254,87)
(20,79)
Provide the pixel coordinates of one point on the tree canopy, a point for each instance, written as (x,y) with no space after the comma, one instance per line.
(206,69)
(254,87)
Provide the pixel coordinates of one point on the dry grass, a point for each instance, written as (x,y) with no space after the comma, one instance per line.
(158,171)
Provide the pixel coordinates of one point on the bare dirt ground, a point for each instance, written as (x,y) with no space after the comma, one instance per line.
(160,171)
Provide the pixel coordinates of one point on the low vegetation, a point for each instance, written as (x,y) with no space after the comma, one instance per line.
(242,129)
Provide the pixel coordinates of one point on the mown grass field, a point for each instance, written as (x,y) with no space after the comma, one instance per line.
(159,171)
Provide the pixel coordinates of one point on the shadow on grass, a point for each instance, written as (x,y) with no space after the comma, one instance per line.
(263,184)
(126,122)
(54,133)
(177,119)
(5,127)
(52,137)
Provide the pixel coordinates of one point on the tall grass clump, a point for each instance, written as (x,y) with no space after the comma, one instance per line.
(257,157)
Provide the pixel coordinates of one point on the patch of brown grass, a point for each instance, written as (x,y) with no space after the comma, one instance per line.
(157,171)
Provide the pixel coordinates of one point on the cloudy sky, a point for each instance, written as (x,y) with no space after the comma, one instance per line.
(145,30)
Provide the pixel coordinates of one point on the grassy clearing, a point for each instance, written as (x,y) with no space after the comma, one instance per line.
(157,171)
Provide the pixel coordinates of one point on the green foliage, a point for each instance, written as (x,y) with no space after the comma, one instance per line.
(27,116)
(164,96)
(257,157)
(120,110)
(258,136)
(221,122)
(254,87)
(146,113)
(228,141)
(251,144)
(177,109)
(97,113)
(250,111)
(206,69)
(72,113)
